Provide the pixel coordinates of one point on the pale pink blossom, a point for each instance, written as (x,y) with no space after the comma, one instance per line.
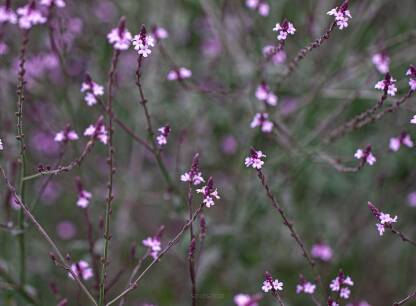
(284,29)
(57,3)
(322,251)
(403,139)
(1,145)
(97,131)
(361,303)
(143,43)
(342,15)
(340,284)
(120,37)
(162,138)
(276,56)
(261,6)
(271,285)
(366,155)
(331,302)
(159,33)
(263,93)
(179,74)
(413,120)
(7,14)
(209,193)
(382,62)
(411,72)
(242,299)
(29,16)
(388,85)
(254,160)
(82,269)
(305,286)
(411,199)
(260,120)
(194,175)
(66,135)
(154,245)
(385,220)
(92,90)
(84,196)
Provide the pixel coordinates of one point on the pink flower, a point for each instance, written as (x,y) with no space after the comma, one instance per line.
(159,33)
(385,220)
(66,135)
(154,245)
(340,284)
(382,62)
(162,138)
(322,251)
(209,193)
(342,15)
(366,155)
(403,139)
(120,37)
(57,3)
(143,42)
(29,16)
(413,120)
(388,85)
(7,14)
(82,270)
(246,300)
(361,303)
(305,286)
(271,52)
(261,6)
(1,145)
(84,196)
(263,93)
(193,175)
(411,199)
(97,131)
(179,74)
(92,90)
(66,230)
(260,119)
(270,284)
(284,29)
(411,72)
(254,159)
(331,302)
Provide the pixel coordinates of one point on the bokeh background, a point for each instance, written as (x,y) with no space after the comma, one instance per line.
(221,42)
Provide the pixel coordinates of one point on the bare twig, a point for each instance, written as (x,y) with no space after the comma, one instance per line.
(406,299)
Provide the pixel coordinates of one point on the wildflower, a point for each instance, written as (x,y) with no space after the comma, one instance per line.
(322,251)
(209,193)
(284,29)
(66,135)
(82,269)
(388,85)
(162,138)
(331,302)
(413,120)
(66,230)
(1,145)
(29,16)
(382,62)
(153,243)
(263,93)
(411,199)
(142,43)
(385,220)
(361,303)
(270,284)
(57,3)
(260,119)
(179,74)
(92,90)
(254,159)
(342,15)
(261,6)
(403,139)
(84,196)
(97,131)
(366,155)
(7,14)
(272,52)
(159,33)
(340,284)
(242,299)
(411,72)
(193,175)
(120,37)
(305,286)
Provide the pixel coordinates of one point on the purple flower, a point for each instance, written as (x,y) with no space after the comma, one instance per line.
(66,135)
(254,159)
(159,33)
(388,85)
(162,138)
(84,196)
(242,299)
(385,220)
(92,90)
(342,15)
(411,199)
(179,74)
(29,16)
(260,119)
(411,72)
(120,37)
(7,14)
(263,93)
(261,6)
(397,142)
(322,251)
(194,175)
(305,286)
(382,62)
(366,155)
(97,131)
(66,230)
(271,285)
(340,284)
(143,43)
(285,28)
(1,145)
(57,3)
(82,269)
(209,193)
(272,52)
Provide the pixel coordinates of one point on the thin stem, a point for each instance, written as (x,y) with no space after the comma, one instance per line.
(91,243)
(406,299)
(19,289)
(110,161)
(45,235)
(402,236)
(191,257)
(171,243)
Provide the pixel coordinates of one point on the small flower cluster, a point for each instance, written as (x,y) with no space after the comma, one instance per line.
(322,251)
(388,85)
(154,244)
(97,131)
(209,193)
(66,135)
(255,159)
(92,90)
(143,43)
(342,15)
(402,139)
(331,302)
(260,119)
(340,284)
(162,138)
(285,28)
(366,155)
(271,285)
(259,5)
(7,14)
(29,16)
(382,62)
(385,220)
(194,175)
(242,299)
(305,286)
(84,196)
(179,74)
(272,52)
(1,145)
(120,37)
(57,3)
(411,72)
(263,93)
(82,269)
(159,33)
